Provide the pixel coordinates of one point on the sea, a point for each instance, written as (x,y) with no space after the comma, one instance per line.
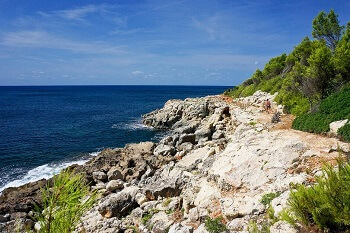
(44,129)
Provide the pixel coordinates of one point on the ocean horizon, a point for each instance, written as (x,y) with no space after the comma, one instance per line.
(47,128)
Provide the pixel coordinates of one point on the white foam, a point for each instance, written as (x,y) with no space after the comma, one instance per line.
(137,125)
(45,171)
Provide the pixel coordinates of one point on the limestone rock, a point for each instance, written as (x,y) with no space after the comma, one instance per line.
(116,205)
(163,188)
(191,138)
(334,126)
(160,222)
(99,176)
(203,133)
(282,227)
(164,150)
(218,134)
(114,174)
(178,228)
(114,185)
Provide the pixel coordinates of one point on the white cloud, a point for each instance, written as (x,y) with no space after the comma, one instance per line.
(41,39)
(80,13)
(137,72)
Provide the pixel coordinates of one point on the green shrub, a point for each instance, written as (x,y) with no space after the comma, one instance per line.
(254,228)
(326,204)
(268,197)
(344,132)
(334,108)
(64,203)
(215,225)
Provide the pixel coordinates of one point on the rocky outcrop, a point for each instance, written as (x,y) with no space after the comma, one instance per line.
(218,159)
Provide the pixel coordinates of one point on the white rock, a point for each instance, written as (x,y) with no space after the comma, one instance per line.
(140,198)
(178,228)
(282,227)
(37,226)
(193,214)
(334,126)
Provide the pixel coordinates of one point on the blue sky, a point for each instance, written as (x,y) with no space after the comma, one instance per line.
(178,42)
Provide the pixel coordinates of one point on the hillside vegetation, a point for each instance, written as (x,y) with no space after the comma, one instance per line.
(314,70)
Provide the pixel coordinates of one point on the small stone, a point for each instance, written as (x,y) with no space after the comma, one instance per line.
(4,218)
(193,214)
(37,226)
(140,198)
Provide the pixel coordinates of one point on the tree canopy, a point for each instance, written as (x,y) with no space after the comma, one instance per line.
(326,27)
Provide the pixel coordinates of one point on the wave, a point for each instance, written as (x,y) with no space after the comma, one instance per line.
(133,125)
(45,171)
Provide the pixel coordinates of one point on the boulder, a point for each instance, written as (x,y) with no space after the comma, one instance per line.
(203,133)
(169,187)
(187,146)
(334,126)
(117,205)
(160,222)
(99,176)
(187,138)
(114,174)
(164,150)
(218,134)
(114,185)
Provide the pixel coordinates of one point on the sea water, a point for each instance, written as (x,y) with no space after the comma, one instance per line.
(44,129)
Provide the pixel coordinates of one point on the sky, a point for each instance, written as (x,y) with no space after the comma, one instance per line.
(150,42)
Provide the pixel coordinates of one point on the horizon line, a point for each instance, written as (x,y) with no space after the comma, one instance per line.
(72,85)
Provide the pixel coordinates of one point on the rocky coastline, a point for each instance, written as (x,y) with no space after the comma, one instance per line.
(221,156)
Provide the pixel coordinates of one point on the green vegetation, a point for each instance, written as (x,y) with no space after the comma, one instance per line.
(268,197)
(166,202)
(64,203)
(344,132)
(326,204)
(334,108)
(145,218)
(254,228)
(215,225)
(314,70)
(148,215)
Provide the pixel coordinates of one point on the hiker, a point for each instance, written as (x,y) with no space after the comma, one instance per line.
(268,106)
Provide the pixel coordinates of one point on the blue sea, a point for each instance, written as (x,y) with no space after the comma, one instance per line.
(46,128)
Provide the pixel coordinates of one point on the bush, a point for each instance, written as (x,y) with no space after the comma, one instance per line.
(326,204)
(215,225)
(64,203)
(312,122)
(344,132)
(334,108)
(268,197)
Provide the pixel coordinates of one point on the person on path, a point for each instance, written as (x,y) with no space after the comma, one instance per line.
(268,106)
